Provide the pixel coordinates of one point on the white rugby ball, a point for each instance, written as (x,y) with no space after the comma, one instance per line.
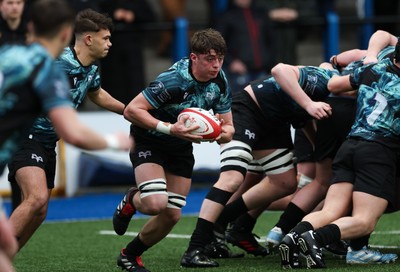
(210,126)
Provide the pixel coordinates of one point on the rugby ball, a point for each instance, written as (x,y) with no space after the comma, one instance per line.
(210,126)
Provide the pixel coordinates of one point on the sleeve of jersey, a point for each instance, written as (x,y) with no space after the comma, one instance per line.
(163,90)
(355,79)
(225,101)
(96,83)
(52,87)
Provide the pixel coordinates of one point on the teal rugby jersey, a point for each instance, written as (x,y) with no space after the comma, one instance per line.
(30,84)
(82,79)
(378,103)
(386,52)
(278,106)
(177,89)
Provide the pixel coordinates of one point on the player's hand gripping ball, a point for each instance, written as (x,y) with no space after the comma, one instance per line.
(210,126)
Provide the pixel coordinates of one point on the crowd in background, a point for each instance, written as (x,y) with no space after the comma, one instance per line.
(259,34)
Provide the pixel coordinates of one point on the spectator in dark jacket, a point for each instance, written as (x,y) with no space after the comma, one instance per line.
(249,36)
(123,69)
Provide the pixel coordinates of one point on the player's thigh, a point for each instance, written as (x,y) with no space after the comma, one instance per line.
(368,207)
(339,198)
(32,181)
(178,185)
(148,171)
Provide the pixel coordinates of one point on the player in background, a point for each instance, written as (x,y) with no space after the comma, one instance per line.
(162,158)
(33,166)
(31,84)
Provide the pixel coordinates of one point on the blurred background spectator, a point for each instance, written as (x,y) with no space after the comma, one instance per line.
(122,71)
(251,43)
(79,5)
(13,25)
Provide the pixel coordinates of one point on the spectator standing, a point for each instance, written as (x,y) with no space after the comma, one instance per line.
(123,70)
(249,36)
(12,22)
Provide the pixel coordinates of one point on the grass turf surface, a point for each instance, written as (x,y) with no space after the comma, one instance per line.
(80,246)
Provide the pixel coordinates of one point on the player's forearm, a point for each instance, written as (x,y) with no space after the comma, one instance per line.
(106,101)
(287,79)
(379,40)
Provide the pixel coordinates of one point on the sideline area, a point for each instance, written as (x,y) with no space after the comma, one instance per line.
(96,206)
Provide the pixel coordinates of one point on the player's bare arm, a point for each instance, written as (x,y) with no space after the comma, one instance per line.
(379,40)
(103,99)
(227,129)
(287,77)
(346,57)
(65,118)
(340,84)
(137,112)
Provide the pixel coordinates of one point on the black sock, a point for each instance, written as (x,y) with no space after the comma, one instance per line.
(232,211)
(302,227)
(244,223)
(327,235)
(202,234)
(359,243)
(290,217)
(136,247)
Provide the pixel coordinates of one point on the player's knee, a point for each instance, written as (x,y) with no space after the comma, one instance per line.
(37,202)
(154,205)
(153,195)
(174,218)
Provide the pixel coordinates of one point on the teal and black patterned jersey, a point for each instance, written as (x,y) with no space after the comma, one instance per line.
(378,103)
(277,105)
(30,84)
(386,52)
(82,79)
(177,89)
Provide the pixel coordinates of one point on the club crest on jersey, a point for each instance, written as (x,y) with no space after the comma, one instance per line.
(144,154)
(251,135)
(210,96)
(37,158)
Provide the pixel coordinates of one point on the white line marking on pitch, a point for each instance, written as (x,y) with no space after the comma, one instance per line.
(176,236)
(185,236)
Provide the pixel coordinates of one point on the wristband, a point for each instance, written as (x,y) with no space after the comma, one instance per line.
(112,142)
(164,127)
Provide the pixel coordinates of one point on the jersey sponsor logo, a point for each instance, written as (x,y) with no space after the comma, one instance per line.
(75,81)
(37,158)
(260,86)
(251,135)
(312,81)
(144,154)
